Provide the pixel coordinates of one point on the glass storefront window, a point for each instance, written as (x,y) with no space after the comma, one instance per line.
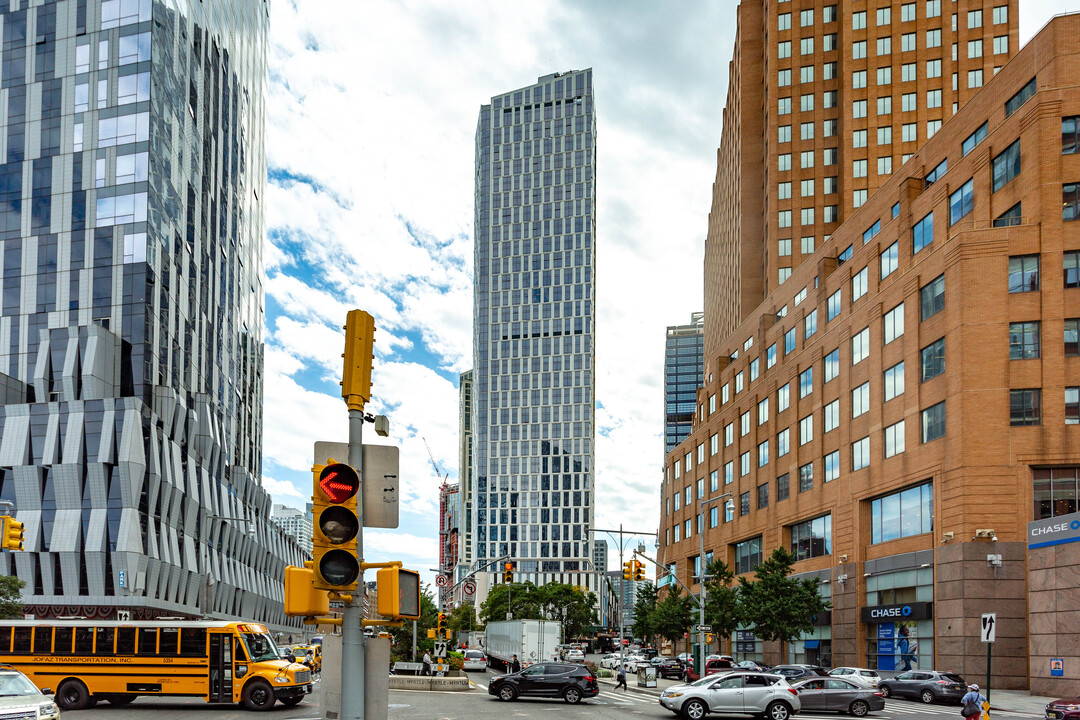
(901,645)
(1056,492)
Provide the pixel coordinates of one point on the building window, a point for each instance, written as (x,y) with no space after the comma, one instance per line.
(729,434)
(1072,406)
(932,298)
(1023,273)
(937,173)
(744,424)
(1072,337)
(1071,269)
(810,324)
(739,382)
(770,356)
(763,412)
(729,472)
(783,79)
(858,80)
(933,422)
(1023,340)
(902,514)
(714,516)
(974,49)
(744,464)
(783,21)
(807,243)
(789,341)
(677,529)
(783,443)
(832,416)
(832,466)
(894,439)
(783,489)
(783,397)
(806,429)
(782,275)
(783,50)
(860,453)
(1013,104)
(933,360)
(747,555)
(907,42)
(1070,135)
(858,50)
(1010,217)
(1056,491)
(744,503)
(763,496)
(833,306)
(923,233)
(893,323)
(972,140)
(890,260)
(896,206)
(962,201)
(812,538)
(1025,406)
(933,38)
(1070,202)
(806,47)
(894,381)
(859,282)
(858,20)
(860,400)
(714,481)
(806,477)
(832,365)
(860,346)
(806,382)
(1006,166)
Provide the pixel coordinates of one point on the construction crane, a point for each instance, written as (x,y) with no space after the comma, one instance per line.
(431,457)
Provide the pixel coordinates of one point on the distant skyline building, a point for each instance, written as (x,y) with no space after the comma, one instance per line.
(600,555)
(683,364)
(449,536)
(465,393)
(131,358)
(297,524)
(533,329)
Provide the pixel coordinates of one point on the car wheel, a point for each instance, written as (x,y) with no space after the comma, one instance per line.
(694,710)
(571,695)
(777,711)
(926,696)
(72,695)
(859,708)
(507,693)
(885,690)
(258,695)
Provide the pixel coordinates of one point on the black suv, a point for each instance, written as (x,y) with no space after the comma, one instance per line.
(571,682)
(795,673)
(671,667)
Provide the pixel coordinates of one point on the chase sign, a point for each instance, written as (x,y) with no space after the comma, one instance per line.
(1054,531)
(899,611)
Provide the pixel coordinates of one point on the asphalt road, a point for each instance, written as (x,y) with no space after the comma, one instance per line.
(476,705)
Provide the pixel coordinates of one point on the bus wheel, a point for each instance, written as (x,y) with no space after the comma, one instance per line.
(258,695)
(72,695)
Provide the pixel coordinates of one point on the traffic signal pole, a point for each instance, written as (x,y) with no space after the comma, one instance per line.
(352,633)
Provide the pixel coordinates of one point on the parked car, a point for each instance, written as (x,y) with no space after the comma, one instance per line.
(633,662)
(574,655)
(1064,709)
(794,673)
(752,665)
(712,667)
(17,693)
(670,668)
(474,660)
(569,681)
(685,657)
(838,695)
(927,685)
(741,693)
(610,661)
(655,660)
(862,676)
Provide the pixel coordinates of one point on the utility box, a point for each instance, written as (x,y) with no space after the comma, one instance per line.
(646,676)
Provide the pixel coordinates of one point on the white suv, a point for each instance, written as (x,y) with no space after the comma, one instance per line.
(862,676)
(734,693)
(18,693)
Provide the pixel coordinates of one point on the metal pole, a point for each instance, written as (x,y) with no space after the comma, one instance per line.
(414,641)
(701,590)
(352,634)
(622,603)
(989,646)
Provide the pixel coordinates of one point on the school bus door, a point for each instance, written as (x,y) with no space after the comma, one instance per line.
(221,666)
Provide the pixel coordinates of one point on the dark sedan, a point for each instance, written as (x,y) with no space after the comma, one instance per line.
(836,695)
(670,668)
(926,685)
(1064,709)
(571,682)
(794,673)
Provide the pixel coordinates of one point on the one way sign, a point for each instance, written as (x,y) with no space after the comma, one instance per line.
(989,627)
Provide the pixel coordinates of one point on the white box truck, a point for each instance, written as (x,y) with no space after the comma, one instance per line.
(532,641)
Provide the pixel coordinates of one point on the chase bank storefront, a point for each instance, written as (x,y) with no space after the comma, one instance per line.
(898,614)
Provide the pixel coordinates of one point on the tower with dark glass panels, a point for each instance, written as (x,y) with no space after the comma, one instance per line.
(534,317)
(132,304)
(683,366)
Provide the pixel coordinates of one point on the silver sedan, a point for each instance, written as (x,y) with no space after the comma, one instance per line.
(837,695)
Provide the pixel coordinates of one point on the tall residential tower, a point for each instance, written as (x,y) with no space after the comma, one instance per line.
(683,363)
(533,329)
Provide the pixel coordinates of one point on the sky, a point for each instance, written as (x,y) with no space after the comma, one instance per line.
(371,120)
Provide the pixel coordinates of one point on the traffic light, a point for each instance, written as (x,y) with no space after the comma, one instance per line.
(12,534)
(628,570)
(440,625)
(359,352)
(398,593)
(301,598)
(639,570)
(508,572)
(336,526)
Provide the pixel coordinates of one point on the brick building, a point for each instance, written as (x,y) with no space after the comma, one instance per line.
(902,408)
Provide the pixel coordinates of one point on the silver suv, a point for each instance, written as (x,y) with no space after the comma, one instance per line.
(745,693)
(20,696)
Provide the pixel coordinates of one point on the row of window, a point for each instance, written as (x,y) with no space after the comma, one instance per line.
(103,641)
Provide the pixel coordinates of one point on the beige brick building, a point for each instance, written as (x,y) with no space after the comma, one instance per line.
(900,409)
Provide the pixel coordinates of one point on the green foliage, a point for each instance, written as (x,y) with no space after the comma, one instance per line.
(644,609)
(778,607)
(722,609)
(674,614)
(463,619)
(570,605)
(520,599)
(11,607)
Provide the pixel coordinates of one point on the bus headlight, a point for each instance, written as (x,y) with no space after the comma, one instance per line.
(282,680)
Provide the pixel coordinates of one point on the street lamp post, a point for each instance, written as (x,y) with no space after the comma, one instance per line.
(622,584)
(702,576)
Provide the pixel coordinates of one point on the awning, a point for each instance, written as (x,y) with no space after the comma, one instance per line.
(811,644)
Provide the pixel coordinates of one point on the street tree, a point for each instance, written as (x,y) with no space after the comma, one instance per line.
(521,599)
(572,606)
(778,607)
(722,610)
(674,614)
(463,619)
(644,612)
(11,607)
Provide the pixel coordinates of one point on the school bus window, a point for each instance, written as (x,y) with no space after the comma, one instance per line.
(147,641)
(43,639)
(104,644)
(170,640)
(84,640)
(5,641)
(62,639)
(193,642)
(22,640)
(259,647)
(125,641)
(239,653)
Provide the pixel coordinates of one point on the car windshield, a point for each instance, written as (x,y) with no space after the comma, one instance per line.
(260,647)
(13,685)
(953,678)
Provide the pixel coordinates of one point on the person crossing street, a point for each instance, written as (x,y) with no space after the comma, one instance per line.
(622,678)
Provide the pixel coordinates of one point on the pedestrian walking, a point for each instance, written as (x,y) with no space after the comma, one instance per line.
(515,665)
(427,664)
(972,702)
(622,678)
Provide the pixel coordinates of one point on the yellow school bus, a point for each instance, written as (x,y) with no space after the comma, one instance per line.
(86,661)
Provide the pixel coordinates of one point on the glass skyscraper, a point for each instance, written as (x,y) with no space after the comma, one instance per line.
(533,325)
(132,304)
(683,367)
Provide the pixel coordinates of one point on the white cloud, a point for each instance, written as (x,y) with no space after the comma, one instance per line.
(283,490)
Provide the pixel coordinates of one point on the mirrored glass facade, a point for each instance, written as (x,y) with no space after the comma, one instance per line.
(534,315)
(684,358)
(132,305)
